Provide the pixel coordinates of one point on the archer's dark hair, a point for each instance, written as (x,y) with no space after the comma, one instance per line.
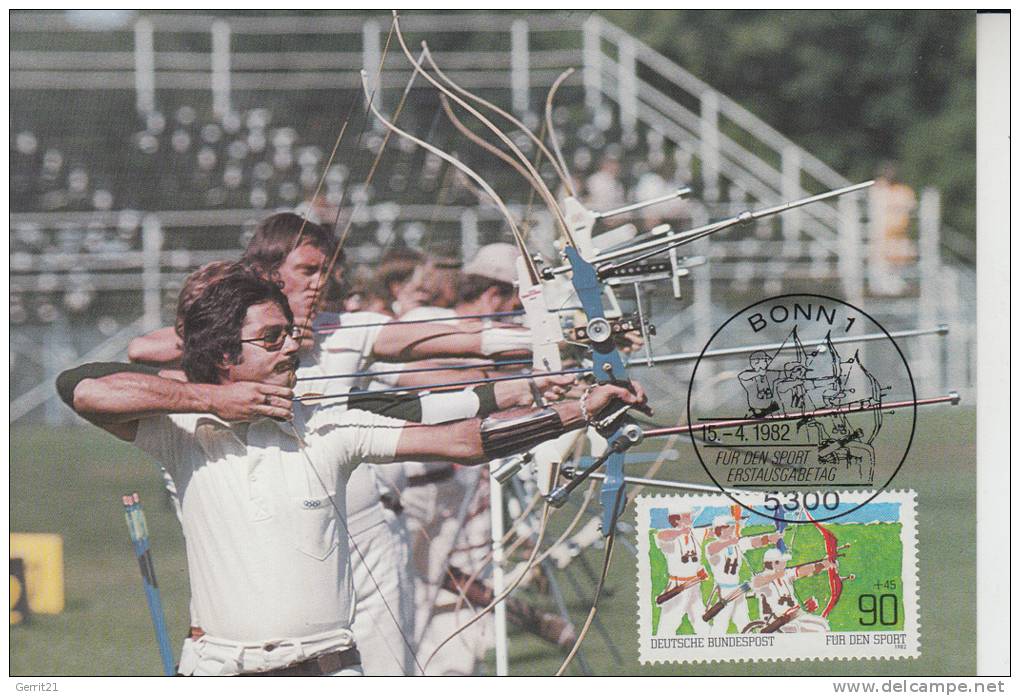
(194,285)
(212,324)
(470,287)
(277,235)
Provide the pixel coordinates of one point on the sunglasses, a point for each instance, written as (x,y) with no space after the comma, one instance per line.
(274,337)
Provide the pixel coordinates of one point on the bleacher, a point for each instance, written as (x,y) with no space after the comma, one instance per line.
(112,209)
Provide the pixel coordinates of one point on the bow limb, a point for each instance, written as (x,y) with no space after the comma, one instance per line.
(484,185)
(560,172)
(546,194)
(483,143)
(542,189)
(553,140)
(450,159)
(607,559)
(831,554)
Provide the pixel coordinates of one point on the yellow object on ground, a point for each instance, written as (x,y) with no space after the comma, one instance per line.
(44,570)
(19,603)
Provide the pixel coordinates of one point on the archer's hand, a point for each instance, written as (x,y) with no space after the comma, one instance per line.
(246,401)
(630,342)
(602,395)
(556,387)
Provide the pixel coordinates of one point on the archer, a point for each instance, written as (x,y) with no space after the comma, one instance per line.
(780,609)
(268,551)
(683,593)
(725,554)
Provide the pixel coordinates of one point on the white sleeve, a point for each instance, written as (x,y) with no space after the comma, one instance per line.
(357,333)
(360,436)
(443,407)
(389,380)
(164,438)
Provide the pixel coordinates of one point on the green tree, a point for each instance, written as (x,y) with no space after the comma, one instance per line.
(853,87)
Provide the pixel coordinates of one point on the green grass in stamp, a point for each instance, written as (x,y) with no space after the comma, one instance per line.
(874,557)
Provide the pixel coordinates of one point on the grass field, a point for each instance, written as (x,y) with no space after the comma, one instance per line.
(874,558)
(69,481)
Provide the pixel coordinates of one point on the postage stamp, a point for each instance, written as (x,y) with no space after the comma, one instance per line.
(769,581)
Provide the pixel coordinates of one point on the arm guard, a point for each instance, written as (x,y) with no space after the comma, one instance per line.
(69,379)
(437,407)
(502,437)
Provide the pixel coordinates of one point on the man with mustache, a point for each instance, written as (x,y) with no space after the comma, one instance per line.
(299,254)
(262,502)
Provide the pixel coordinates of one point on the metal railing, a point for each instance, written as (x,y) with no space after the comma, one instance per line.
(153,55)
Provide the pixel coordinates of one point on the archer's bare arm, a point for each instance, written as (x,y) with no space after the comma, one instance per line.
(118,401)
(461,442)
(406,342)
(721,545)
(161,348)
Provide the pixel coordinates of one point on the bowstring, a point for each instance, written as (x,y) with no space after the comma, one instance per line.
(301,443)
(341,517)
(325,274)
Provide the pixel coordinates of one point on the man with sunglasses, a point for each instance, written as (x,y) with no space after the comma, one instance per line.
(262,502)
(334,347)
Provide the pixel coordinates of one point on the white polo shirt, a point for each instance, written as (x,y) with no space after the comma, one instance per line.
(267,550)
(342,351)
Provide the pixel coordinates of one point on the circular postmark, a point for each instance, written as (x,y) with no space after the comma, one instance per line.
(798,397)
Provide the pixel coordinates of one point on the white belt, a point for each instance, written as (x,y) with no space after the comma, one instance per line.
(222,656)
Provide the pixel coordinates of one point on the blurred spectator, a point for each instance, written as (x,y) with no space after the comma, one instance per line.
(655,183)
(439,276)
(395,288)
(605,191)
(890,204)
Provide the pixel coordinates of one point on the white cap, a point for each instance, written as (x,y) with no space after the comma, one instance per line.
(496,261)
(722,521)
(773,555)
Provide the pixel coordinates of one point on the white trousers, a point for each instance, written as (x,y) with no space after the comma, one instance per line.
(438,541)
(209,657)
(688,603)
(736,611)
(806,623)
(384,598)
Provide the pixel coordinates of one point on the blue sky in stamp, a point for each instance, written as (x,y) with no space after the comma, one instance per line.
(870,513)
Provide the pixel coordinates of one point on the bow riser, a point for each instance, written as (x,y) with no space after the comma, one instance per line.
(607,366)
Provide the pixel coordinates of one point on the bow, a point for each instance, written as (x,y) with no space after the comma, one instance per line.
(588,284)
(547,352)
(831,554)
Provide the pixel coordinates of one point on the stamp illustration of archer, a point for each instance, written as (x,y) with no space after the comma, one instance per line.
(710,571)
(819,380)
